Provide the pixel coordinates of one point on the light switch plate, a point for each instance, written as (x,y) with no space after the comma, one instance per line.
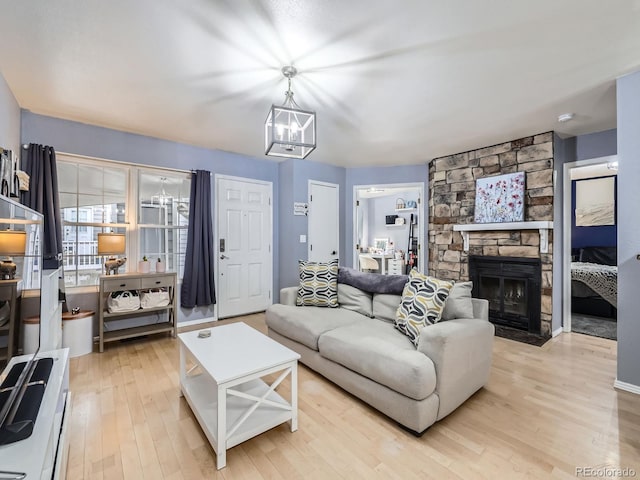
(303,239)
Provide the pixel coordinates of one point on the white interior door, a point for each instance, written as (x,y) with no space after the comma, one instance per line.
(323,221)
(244,246)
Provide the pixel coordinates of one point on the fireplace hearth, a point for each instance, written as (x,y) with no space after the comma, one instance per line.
(512,285)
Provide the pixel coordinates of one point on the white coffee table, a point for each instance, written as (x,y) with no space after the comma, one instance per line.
(224,387)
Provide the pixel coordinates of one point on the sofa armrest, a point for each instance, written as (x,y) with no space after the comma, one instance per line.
(461,351)
(288,295)
(480,308)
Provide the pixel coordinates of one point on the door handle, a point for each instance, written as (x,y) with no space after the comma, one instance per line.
(334,252)
(223,257)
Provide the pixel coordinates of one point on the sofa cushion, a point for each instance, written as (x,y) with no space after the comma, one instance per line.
(306,324)
(353,298)
(422,304)
(318,284)
(385,306)
(375,350)
(459,304)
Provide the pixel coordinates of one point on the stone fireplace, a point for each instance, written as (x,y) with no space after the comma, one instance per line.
(451,208)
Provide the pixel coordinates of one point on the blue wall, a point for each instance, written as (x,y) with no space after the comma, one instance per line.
(294,186)
(383,176)
(9,119)
(600,236)
(290,181)
(628,103)
(82,139)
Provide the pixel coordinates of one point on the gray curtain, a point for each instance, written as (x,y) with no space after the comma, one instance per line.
(42,196)
(198,288)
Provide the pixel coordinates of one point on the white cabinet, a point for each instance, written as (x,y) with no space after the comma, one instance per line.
(395,267)
(44,454)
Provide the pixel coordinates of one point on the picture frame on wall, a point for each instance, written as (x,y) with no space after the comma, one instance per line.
(595,202)
(500,199)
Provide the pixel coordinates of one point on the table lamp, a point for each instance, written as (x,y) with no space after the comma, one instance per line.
(112,244)
(12,242)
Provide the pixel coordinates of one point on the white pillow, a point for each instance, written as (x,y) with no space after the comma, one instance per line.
(458,304)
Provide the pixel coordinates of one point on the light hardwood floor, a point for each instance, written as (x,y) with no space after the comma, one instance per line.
(544,412)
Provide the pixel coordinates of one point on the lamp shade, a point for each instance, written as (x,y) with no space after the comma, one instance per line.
(111,243)
(12,242)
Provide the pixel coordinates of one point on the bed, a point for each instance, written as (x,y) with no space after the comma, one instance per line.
(594,281)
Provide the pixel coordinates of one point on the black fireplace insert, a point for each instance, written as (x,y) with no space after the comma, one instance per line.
(512,285)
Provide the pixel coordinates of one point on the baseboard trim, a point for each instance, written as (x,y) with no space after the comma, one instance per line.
(556,332)
(190,323)
(627,387)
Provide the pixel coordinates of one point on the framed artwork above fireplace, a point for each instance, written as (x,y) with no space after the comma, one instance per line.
(500,199)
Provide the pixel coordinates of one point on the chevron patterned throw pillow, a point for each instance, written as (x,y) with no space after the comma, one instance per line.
(318,284)
(423,300)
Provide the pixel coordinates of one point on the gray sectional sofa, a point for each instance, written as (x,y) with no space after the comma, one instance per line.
(357,347)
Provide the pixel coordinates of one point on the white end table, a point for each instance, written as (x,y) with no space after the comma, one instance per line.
(224,386)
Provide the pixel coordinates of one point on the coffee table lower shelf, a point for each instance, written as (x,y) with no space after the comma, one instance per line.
(201,394)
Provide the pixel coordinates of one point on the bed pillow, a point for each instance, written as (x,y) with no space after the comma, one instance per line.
(459,304)
(423,300)
(318,284)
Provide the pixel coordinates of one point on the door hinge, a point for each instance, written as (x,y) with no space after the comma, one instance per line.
(311,198)
(357,203)
(419,200)
(269,200)
(311,248)
(269,247)
(269,293)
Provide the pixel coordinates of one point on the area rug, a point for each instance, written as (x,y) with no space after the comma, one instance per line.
(520,336)
(594,326)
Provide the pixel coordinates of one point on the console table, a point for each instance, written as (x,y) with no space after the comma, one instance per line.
(137,282)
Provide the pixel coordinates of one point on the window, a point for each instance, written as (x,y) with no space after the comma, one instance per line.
(149,205)
(163,214)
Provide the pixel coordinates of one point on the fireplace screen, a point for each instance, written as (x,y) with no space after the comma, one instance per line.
(490,290)
(515,296)
(512,287)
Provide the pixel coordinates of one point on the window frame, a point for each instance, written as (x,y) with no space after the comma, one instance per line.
(132,206)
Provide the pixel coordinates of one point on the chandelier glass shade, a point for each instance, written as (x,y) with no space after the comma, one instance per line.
(289,131)
(162,198)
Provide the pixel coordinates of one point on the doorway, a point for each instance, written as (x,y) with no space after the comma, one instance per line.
(243,245)
(389,227)
(590,247)
(323,221)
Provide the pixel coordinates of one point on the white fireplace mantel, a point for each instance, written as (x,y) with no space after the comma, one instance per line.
(542,225)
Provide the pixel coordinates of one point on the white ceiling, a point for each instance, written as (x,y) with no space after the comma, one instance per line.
(393,82)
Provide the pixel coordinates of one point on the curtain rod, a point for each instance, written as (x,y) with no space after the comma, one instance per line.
(89,157)
(26,146)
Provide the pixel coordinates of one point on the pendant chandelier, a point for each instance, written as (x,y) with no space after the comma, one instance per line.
(289,131)
(162,198)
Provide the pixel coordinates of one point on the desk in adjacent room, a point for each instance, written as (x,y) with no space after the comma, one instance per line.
(382,257)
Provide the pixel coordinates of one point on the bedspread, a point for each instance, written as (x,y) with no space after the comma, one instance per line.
(602,279)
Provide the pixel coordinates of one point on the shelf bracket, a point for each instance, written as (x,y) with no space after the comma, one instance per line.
(465,241)
(544,240)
